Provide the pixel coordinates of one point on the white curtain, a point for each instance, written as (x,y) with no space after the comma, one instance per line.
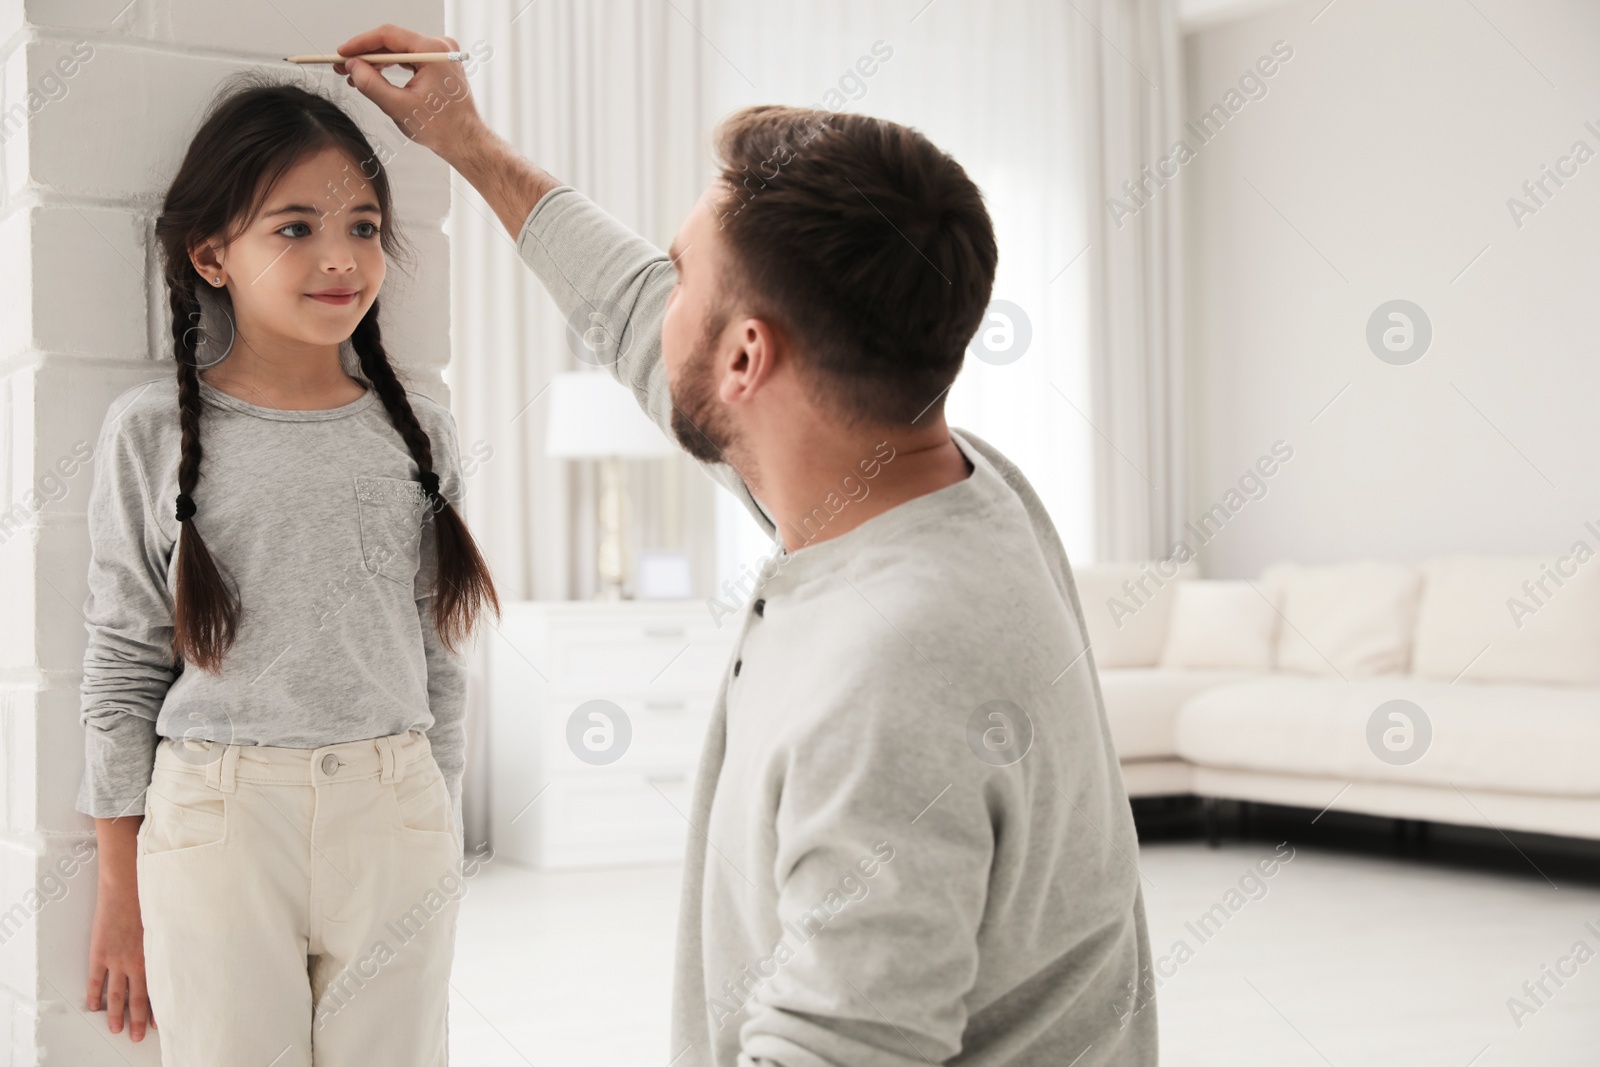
(604,96)
(1132,98)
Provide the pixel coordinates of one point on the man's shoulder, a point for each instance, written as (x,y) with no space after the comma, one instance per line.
(993,542)
(935,615)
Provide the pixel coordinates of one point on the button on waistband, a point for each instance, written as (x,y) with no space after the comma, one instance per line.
(330,763)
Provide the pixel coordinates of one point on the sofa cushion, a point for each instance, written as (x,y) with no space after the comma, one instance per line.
(1142,702)
(1215,624)
(1353,620)
(1509,738)
(1125,607)
(1507,620)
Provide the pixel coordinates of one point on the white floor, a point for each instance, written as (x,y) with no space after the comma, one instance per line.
(1343,960)
(1367,960)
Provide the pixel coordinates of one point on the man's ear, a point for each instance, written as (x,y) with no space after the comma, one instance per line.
(210,262)
(751,364)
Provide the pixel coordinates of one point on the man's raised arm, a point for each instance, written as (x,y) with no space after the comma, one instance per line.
(610,283)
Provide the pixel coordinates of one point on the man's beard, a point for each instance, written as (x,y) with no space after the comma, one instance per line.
(699,424)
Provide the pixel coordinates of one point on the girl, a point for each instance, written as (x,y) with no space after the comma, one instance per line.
(279,583)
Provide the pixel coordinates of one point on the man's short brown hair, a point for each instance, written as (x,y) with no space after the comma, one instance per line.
(864,244)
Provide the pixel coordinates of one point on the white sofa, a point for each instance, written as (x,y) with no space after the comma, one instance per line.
(1268,690)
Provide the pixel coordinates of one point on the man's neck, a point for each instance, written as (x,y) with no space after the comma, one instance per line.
(818,491)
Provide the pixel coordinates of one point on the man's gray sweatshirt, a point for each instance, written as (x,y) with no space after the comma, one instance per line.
(909,841)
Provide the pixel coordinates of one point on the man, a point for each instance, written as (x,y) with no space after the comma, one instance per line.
(910,840)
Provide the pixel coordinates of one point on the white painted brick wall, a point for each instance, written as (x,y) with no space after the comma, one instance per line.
(97,102)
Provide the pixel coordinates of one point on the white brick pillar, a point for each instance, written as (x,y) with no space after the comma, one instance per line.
(98,101)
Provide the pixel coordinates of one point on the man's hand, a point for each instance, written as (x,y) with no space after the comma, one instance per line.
(435,107)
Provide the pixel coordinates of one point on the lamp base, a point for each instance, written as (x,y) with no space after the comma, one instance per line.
(611,560)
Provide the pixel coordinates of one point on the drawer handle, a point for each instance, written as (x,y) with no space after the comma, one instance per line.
(664,632)
(665,779)
(666,705)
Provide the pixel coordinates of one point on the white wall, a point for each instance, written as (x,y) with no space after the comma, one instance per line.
(86,159)
(1378,166)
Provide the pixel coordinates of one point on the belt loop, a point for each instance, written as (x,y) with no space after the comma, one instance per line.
(386,758)
(221,773)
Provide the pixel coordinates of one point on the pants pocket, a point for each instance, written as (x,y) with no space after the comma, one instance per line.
(422,800)
(181,813)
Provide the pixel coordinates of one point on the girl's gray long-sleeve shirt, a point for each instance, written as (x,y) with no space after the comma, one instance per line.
(909,841)
(317,519)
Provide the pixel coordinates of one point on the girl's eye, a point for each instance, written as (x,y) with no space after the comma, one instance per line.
(301,229)
(365,229)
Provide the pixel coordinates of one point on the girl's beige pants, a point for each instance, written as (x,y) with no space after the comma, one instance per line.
(299,905)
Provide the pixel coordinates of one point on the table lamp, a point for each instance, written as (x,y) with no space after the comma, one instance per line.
(592,416)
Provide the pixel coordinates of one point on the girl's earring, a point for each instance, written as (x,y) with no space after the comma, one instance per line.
(203,340)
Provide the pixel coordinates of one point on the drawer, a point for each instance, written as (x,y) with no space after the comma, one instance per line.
(666,734)
(674,656)
(662,664)
(616,820)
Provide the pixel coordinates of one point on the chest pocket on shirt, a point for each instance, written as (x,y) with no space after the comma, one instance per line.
(392,513)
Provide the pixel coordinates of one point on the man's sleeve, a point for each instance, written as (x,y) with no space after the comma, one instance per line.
(611,286)
(886,840)
(128,665)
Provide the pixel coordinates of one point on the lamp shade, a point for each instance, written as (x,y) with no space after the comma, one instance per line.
(592,416)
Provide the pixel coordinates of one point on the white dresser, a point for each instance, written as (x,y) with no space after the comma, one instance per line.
(612,787)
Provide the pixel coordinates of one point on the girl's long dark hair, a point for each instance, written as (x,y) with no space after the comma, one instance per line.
(250,137)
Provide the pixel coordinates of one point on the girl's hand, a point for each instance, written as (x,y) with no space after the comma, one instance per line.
(116,944)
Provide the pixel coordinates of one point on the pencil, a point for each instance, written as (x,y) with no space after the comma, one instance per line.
(386,57)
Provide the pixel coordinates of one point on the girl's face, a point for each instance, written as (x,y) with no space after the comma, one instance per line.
(309,265)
